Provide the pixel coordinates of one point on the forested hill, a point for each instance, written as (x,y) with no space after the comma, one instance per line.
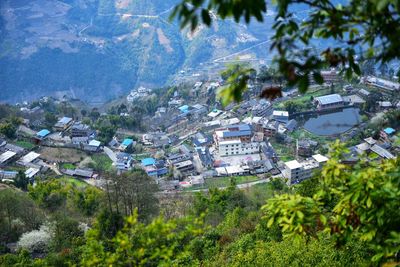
(98,49)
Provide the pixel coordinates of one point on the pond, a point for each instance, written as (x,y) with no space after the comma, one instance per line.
(333,123)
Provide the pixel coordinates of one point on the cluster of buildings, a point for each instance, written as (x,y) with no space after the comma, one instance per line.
(141,92)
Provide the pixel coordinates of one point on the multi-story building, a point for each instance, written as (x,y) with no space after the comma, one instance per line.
(280,115)
(297,171)
(79,129)
(124,161)
(235,140)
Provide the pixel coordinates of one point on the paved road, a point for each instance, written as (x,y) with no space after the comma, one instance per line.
(110,154)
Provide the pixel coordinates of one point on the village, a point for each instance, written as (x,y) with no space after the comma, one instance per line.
(197,144)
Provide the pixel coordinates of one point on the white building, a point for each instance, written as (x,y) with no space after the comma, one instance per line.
(237,147)
(297,171)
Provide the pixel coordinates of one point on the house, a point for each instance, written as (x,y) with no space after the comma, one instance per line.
(232,170)
(155,168)
(14,148)
(200,139)
(126,144)
(329,101)
(281,116)
(381,83)
(92,146)
(7,157)
(389,131)
(260,166)
(215,113)
(184,166)
(297,171)
(199,109)
(31,172)
(42,134)
(305,148)
(384,105)
(28,159)
(262,109)
(84,173)
(270,128)
(79,140)
(63,124)
(205,157)
(8,175)
(124,161)
(364,93)
(148,162)
(291,125)
(354,100)
(382,152)
(330,76)
(184,109)
(78,129)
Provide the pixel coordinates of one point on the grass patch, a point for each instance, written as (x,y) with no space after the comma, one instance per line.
(139,157)
(102,160)
(68,166)
(73,181)
(225,181)
(25,144)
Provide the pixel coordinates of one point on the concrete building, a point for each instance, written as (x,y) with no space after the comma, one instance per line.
(237,147)
(297,171)
(124,161)
(63,124)
(79,129)
(329,101)
(235,140)
(280,115)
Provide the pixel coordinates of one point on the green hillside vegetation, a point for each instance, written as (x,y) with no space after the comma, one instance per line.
(344,216)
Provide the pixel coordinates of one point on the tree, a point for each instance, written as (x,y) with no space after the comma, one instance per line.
(18,214)
(132,190)
(50,118)
(21,181)
(8,129)
(159,243)
(352,203)
(355,27)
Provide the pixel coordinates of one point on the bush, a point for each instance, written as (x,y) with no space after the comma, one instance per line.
(37,240)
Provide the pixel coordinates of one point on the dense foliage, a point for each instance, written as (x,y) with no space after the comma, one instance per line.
(344,216)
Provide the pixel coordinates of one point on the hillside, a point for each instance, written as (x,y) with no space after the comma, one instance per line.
(99,49)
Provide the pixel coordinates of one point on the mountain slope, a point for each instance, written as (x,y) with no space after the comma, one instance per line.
(99,49)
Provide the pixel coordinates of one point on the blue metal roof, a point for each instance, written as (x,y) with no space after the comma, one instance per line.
(127,142)
(184,108)
(389,130)
(43,133)
(237,130)
(148,161)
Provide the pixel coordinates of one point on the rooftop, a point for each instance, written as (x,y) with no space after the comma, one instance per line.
(6,156)
(389,130)
(280,113)
(43,133)
(320,158)
(31,156)
(294,164)
(148,161)
(94,143)
(329,99)
(127,142)
(63,121)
